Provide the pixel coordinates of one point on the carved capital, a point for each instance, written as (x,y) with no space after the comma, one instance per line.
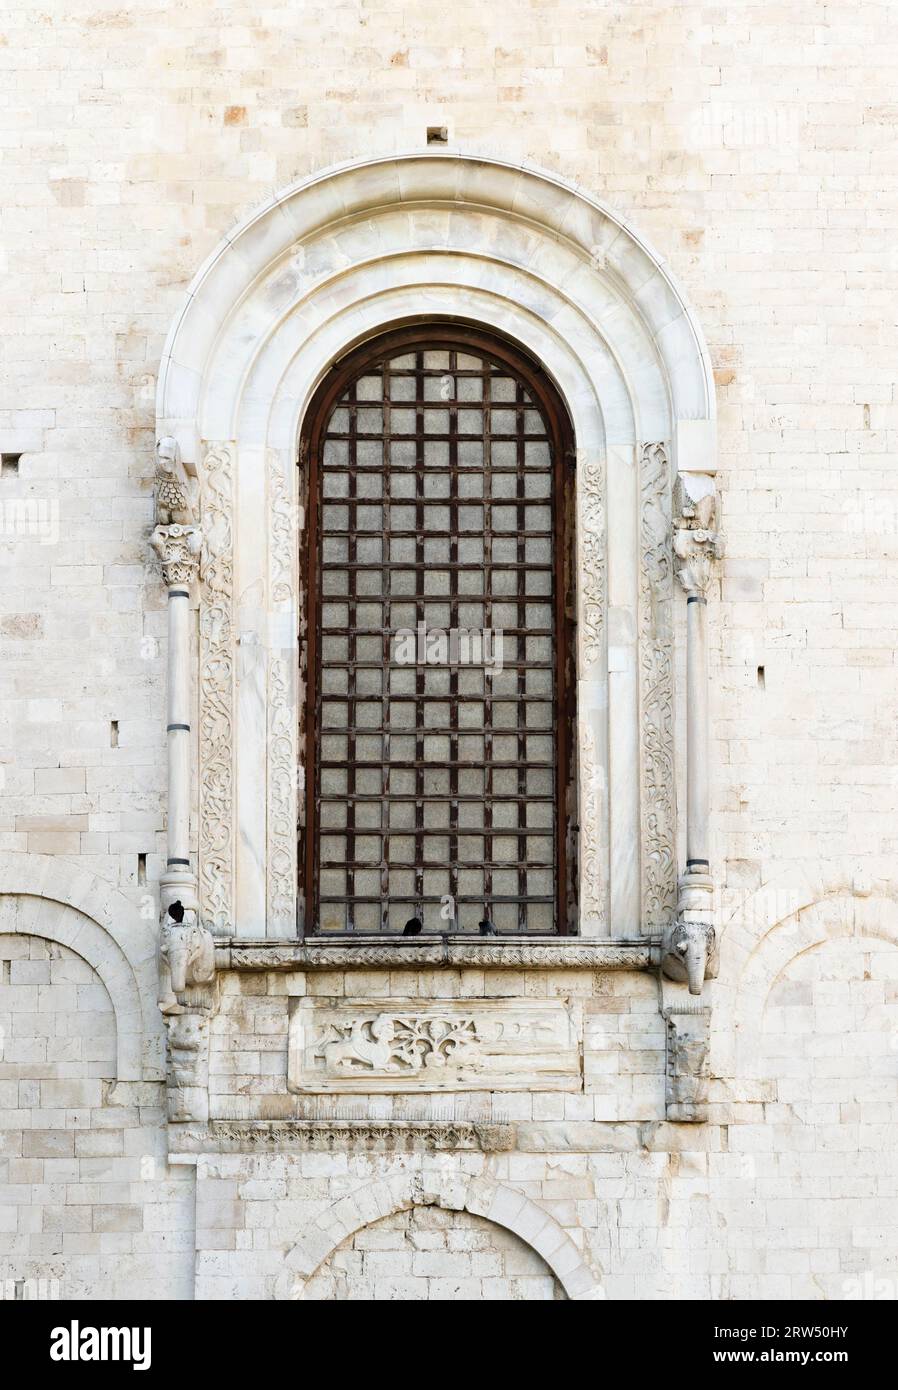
(179,549)
(696,541)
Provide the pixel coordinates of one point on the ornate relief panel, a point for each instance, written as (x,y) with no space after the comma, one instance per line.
(593,597)
(216,691)
(656,664)
(283,519)
(449,1045)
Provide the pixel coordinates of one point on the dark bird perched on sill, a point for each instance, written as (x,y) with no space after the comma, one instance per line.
(413,927)
(176,911)
(487,928)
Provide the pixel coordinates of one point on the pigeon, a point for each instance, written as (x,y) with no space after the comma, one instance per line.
(413,927)
(176,911)
(487,928)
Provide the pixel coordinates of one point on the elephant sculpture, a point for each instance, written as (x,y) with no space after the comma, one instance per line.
(687,951)
(187,958)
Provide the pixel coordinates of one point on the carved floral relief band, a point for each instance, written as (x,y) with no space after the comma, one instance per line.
(216,728)
(282,683)
(593,594)
(659,868)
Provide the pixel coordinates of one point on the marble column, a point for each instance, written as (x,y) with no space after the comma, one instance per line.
(178,548)
(688,953)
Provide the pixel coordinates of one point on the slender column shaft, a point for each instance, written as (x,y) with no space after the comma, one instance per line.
(178,727)
(696,735)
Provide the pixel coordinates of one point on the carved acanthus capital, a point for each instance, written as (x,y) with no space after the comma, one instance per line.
(696,541)
(180,550)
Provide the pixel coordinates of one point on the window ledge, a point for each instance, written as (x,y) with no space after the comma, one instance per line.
(388,953)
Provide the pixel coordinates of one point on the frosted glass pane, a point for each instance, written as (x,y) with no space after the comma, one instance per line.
(536,454)
(403,421)
(370,485)
(336,453)
(336,484)
(436,781)
(503,388)
(436,453)
(402,388)
(470,421)
(369,453)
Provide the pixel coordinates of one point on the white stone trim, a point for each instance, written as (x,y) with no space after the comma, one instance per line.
(326,265)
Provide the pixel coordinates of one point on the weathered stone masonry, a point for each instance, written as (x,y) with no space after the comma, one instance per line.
(638,1140)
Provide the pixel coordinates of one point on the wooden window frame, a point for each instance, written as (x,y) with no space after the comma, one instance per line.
(440,336)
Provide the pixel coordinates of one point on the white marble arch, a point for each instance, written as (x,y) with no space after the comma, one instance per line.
(325,265)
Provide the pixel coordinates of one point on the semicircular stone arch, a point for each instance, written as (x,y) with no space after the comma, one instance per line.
(319,269)
(480,1197)
(856,927)
(44,897)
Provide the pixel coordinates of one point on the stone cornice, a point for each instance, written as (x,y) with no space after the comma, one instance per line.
(380,954)
(324,1136)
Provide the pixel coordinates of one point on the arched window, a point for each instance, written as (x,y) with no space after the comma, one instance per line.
(439,655)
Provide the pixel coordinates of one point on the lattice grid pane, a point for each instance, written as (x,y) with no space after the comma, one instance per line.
(436,750)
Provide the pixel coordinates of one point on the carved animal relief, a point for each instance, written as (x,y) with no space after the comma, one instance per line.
(493,1044)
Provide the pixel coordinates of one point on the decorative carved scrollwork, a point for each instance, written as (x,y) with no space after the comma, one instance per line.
(328,1136)
(592,559)
(659,869)
(282,749)
(216,724)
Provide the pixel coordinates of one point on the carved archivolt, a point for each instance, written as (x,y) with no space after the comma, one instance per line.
(216,721)
(659,874)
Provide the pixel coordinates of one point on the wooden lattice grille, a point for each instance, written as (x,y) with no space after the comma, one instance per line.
(438,596)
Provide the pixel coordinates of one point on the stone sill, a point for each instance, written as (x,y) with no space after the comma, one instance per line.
(386,953)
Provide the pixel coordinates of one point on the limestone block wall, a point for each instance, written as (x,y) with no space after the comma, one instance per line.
(754,146)
(88,1205)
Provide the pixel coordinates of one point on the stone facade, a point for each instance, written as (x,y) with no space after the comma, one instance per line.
(621,186)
